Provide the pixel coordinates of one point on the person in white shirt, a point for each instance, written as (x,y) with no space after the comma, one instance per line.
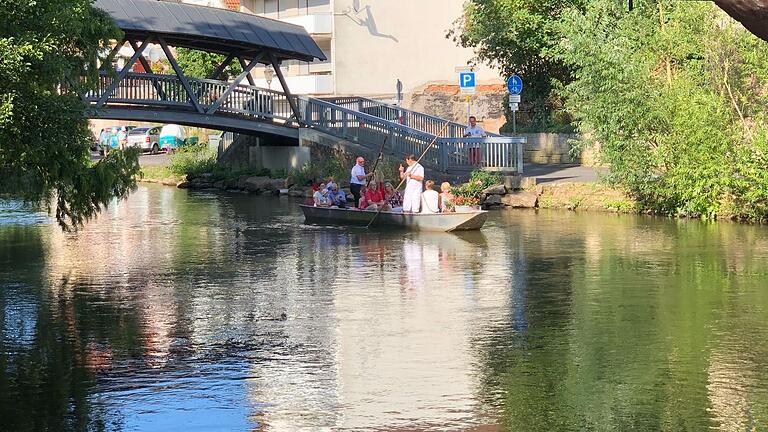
(358,179)
(320,197)
(430,199)
(474,131)
(413,186)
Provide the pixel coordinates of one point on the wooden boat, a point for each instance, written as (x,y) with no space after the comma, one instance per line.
(414,221)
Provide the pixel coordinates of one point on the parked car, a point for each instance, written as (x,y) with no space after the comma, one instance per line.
(172,137)
(146,138)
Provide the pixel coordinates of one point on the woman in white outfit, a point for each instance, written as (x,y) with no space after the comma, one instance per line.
(413,186)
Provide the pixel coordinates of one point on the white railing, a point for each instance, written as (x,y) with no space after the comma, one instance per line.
(413,119)
(363,121)
(495,153)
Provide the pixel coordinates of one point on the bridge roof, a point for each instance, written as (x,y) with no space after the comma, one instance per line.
(211,29)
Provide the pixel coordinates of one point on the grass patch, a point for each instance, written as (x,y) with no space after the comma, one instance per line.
(159,173)
(586,196)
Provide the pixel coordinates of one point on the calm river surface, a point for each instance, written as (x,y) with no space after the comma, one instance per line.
(190,311)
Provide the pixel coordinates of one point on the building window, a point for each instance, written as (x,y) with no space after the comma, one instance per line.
(288,8)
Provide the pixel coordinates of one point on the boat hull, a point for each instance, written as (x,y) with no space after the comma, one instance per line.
(411,221)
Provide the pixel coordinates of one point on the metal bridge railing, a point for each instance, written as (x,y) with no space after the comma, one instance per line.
(360,120)
(491,153)
(367,130)
(145,89)
(413,119)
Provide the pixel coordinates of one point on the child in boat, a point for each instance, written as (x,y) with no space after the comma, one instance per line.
(446,198)
(430,199)
(362,203)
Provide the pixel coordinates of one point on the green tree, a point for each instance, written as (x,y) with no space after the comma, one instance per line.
(674,93)
(200,64)
(515,36)
(47,46)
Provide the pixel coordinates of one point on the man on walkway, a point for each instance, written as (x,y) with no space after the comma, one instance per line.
(413,187)
(474,131)
(358,179)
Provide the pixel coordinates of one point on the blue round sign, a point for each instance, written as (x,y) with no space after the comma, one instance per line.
(515,85)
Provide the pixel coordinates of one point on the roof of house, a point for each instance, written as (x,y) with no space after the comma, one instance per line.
(232,4)
(211,29)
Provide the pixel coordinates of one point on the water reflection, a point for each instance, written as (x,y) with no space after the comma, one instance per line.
(191,310)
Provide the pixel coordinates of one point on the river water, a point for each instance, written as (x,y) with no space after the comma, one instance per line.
(195,311)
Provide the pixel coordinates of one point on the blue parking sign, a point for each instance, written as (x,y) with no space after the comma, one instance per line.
(467,79)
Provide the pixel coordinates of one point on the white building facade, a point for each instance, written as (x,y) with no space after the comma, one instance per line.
(370,44)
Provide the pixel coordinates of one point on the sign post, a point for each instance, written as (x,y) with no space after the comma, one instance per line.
(515,87)
(467,86)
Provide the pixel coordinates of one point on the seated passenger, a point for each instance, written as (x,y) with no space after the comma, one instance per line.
(430,199)
(393,197)
(320,197)
(362,203)
(374,199)
(446,198)
(337,197)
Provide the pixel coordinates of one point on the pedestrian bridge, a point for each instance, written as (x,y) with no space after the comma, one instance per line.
(252,110)
(239,106)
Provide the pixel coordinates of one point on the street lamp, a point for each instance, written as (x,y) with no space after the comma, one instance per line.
(268,75)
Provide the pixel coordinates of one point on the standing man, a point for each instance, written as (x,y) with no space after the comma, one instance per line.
(358,179)
(413,187)
(474,131)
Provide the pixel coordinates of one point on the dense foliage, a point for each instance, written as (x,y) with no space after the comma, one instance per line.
(46,45)
(674,92)
(200,64)
(514,36)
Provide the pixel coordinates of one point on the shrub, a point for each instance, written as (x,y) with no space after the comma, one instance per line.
(478,181)
(193,160)
(486,179)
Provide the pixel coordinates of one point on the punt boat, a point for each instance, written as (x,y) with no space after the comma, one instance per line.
(413,221)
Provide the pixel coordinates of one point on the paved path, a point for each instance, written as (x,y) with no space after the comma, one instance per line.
(543,173)
(145,160)
(562,173)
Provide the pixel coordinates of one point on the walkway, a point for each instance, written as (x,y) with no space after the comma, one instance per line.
(563,173)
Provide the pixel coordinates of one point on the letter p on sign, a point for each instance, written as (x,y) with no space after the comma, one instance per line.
(467,79)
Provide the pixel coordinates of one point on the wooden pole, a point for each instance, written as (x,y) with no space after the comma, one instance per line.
(434,140)
(381,154)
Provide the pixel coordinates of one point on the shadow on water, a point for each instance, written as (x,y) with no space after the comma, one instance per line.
(179,309)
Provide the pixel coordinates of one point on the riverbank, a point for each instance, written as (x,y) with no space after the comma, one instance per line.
(555,187)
